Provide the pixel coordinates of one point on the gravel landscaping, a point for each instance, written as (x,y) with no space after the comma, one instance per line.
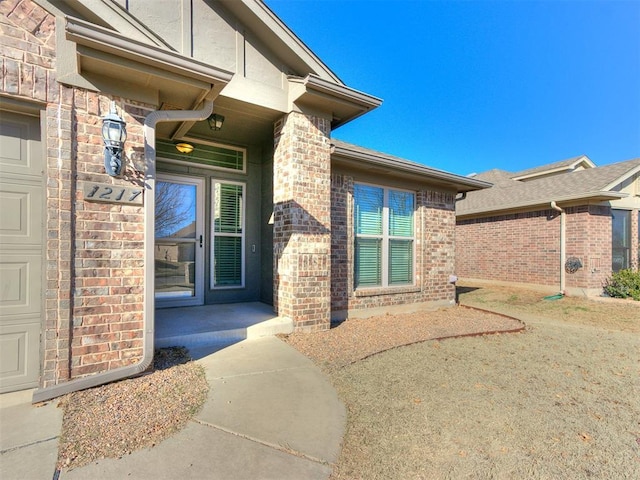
(115,419)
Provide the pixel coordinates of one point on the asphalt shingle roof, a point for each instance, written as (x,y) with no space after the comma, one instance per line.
(508,193)
(563,164)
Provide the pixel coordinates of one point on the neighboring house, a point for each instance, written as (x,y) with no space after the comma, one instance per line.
(265,207)
(567,225)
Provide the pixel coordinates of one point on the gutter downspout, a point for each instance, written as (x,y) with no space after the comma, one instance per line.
(47,393)
(563,244)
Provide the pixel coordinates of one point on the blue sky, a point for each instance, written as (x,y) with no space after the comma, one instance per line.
(474,85)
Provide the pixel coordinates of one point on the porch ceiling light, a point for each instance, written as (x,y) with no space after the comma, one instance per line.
(114,134)
(215,121)
(184,147)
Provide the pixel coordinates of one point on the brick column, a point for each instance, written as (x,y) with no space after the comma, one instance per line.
(302,222)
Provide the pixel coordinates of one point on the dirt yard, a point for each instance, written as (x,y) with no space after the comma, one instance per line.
(558,400)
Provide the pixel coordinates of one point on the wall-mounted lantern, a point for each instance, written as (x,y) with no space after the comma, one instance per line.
(114,134)
(215,121)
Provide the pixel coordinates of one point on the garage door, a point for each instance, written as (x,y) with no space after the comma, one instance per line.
(21,251)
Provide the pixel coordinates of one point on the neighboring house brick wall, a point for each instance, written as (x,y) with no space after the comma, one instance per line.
(434,263)
(94,251)
(525,247)
(302,223)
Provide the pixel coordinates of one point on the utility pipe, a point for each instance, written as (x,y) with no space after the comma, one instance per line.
(563,244)
(150,123)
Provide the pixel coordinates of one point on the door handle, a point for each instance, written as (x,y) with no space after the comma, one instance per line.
(200,241)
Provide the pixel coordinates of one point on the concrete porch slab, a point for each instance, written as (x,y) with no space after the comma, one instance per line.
(213,327)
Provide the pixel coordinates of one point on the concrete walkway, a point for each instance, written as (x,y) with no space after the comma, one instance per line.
(270,414)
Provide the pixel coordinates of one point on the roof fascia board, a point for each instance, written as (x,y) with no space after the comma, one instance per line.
(622,178)
(313,89)
(120,19)
(109,41)
(589,196)
(409,167)
(252,12)
(315,83)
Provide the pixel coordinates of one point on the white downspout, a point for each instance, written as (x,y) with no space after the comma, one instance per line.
(150,123)
(563,245)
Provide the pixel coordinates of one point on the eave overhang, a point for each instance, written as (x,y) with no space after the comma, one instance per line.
(381,164)
(102,51)
(622,178)
(539,204)
(342,103)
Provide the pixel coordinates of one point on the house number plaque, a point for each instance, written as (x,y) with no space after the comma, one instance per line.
(102,192)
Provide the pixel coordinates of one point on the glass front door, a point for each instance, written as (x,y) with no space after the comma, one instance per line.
(179,252)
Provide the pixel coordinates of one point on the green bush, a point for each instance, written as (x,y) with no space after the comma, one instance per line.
(624,284)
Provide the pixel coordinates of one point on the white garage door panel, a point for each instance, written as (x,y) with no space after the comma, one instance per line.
(20,215)
(20,140)
(19,355)
(20,280)
(22,238)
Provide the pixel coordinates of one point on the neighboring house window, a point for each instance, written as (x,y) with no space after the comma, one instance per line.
(228,235)
(620,239)
(384,236)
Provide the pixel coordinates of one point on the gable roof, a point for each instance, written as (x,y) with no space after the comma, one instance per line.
(563,166)
(508,193)
(372,161)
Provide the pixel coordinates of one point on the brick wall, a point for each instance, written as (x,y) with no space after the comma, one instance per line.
(107,244)
(525,247)
(435,237)
(94,252)
(302,224)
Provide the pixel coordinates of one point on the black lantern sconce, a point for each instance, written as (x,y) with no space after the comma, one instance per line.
(114,134)
(215,121)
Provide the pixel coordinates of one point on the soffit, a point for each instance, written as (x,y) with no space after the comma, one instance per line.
(105,56)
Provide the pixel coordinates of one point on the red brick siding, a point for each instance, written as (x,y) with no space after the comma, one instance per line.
(94,252)
(108,245)
(435,232)
(525,247)
(302,223)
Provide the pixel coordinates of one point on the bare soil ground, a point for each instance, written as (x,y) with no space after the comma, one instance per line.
(558,400)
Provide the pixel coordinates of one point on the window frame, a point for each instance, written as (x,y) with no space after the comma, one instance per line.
(214,234)
(385,237)
(195,141)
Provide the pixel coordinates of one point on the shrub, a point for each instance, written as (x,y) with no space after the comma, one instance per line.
(623,284)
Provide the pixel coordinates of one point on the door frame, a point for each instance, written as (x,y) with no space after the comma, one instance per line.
(198,241)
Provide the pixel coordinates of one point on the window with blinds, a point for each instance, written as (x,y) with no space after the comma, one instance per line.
(384,236)
(228,234)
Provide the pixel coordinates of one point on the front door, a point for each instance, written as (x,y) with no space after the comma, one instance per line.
(21,250)
(179,241)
